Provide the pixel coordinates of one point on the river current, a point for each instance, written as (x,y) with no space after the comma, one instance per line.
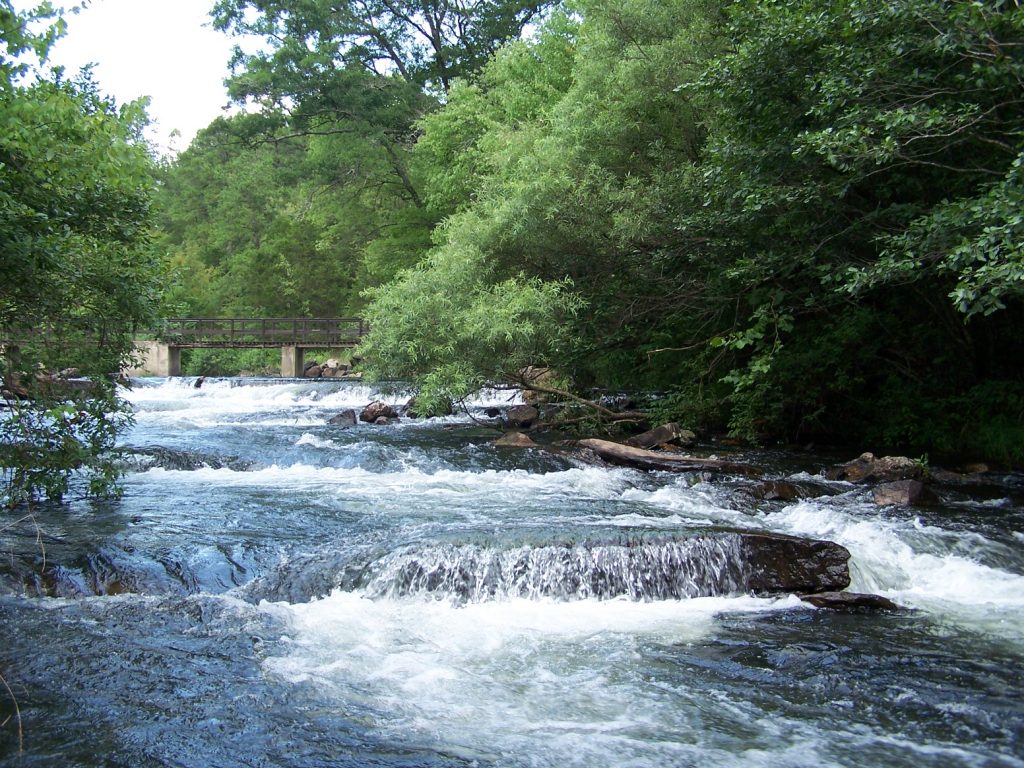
(273,590)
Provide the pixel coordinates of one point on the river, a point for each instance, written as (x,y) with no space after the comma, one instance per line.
(262,596)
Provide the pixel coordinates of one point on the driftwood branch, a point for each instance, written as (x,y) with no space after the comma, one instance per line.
(639,458)
(532,386)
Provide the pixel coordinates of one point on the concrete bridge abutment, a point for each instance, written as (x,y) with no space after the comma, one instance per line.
(154,358)
(292,362)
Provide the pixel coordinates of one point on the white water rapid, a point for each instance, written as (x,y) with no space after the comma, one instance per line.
(274,590)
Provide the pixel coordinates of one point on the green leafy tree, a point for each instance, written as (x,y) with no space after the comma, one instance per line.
(76,275)
(426,43)
(862,189)
(804,217)
(451,328)
(355,77)
(270,228)
(566,154)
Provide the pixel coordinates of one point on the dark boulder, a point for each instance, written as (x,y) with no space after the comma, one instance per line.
(868,468)
(346,418)
(904,493)
(777,564)
(377,410)
(850,601)
(784,490)
(666,433)
(521,416)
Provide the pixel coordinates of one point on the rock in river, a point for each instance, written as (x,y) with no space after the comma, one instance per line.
(515,440)
(346,418)
(867,468)
(779,564)
(666,433)
(904,493)
(377,410)
(850,601)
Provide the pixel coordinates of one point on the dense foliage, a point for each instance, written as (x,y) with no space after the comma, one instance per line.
(76,275)
(863,162)
(800,220)
(297,206)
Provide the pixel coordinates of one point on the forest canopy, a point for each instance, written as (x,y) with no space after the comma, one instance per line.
(794,220)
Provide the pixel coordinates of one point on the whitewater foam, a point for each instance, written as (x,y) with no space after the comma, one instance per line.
(559,682)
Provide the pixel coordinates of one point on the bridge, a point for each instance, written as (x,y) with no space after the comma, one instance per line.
(294,335)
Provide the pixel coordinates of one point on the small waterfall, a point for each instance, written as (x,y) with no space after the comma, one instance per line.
(675,569)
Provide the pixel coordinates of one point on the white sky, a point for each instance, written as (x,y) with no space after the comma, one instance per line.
(164,49)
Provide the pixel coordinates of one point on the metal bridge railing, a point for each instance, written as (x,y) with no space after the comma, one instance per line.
(262,331)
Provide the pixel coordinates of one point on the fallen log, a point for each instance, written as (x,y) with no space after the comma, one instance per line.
(640,458)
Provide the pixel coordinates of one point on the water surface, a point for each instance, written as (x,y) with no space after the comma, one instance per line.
(267,594)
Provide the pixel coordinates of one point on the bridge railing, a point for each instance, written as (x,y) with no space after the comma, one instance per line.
(262,331)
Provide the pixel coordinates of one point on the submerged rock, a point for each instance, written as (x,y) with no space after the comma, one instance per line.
(784,490)
(346,418)
(515,440)
(141,459)
(696,566)
(850,601)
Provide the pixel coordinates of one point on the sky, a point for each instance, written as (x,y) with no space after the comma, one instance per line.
(164,49)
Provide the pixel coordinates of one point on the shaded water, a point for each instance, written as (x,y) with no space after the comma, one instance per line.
(276,591)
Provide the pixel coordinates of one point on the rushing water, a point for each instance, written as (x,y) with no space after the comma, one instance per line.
(276,591)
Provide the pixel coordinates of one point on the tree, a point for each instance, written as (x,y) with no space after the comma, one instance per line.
(802,217)
(427,43)
(451,327)
(356,77)
(273,228)
(77,277)
(861,194)
(555,167)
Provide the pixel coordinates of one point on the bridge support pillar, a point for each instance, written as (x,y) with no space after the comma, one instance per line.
(168,360)
(156,359)
(292,360)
